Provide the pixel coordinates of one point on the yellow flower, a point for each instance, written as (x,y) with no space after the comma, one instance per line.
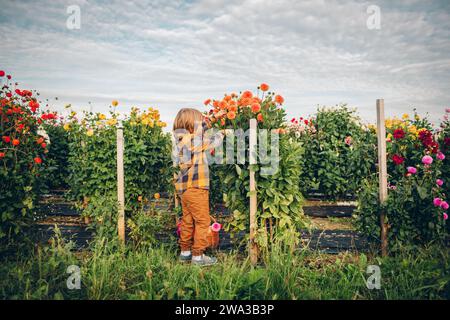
(112,122)
(90,132)
(157,196)
(101,116)
(389,136)
(98,123)
(405,116)
(73,114)
(413,129)
(67,126)
(161,124)
(115,103)
(417,117)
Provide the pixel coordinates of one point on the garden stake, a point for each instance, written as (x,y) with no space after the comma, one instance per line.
(120,185)
(382,169)
(253,249)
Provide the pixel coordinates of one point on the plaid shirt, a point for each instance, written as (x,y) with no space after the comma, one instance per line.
(192,161)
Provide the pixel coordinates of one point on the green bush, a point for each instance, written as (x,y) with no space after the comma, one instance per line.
(56,165)
(279,200)
(413,215)
(339,152)
(93,163)
(22,153)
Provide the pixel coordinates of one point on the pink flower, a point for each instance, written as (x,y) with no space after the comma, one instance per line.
(216,227)
(439,182)
(437,202)
(178,228)
(412,170)
(444,205)
(348,140)
(447,110)
(440,156)
(445,215)
(427,160)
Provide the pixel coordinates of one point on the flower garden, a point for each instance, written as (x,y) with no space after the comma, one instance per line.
(330,155)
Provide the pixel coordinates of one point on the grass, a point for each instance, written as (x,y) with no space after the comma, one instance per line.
(110,271)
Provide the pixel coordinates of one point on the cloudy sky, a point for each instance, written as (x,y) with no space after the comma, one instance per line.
(173,54)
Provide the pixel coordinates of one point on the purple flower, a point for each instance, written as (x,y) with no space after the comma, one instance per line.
(439,182)
(440,156)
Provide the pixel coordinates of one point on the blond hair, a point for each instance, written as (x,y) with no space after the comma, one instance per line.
(186,119)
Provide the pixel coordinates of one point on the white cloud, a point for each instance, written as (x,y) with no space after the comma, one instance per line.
(176,53)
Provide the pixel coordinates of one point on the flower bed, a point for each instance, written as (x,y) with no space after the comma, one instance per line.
(92,160)
(416,206)
(279,211)
(339,152)
(23,149)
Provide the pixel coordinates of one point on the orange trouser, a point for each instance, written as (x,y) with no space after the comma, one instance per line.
(195,205)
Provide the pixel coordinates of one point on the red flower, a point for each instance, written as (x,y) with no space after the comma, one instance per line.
(15,142)
(38,160)
(264,87)
(9,77)
(259,117)
(399,134)
(207,101)
(43,145)
(2,73)
(34,105)
(398,159)
(256,107)
(279,99)
(2,155)
(8,94)
(306,122)
(6,139)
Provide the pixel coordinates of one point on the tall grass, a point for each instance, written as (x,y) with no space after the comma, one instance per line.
(111,271)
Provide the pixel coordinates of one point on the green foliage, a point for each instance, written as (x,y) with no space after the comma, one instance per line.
(279,208)
(411,214)
(56,164)
(93,162)
(339,152)
(444,143)
(148,224)
(22,151)
(112,271)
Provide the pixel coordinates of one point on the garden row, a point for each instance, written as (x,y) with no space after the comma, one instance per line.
(331,153)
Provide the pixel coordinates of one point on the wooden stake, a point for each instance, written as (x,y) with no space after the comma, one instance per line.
(120,185)
(382,173)
(253,248)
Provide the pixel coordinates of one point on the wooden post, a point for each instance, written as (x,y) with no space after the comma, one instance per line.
(120,185)
(253,249)
(175,195)
(382,172)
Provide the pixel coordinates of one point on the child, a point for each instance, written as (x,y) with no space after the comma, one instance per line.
(192,185)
